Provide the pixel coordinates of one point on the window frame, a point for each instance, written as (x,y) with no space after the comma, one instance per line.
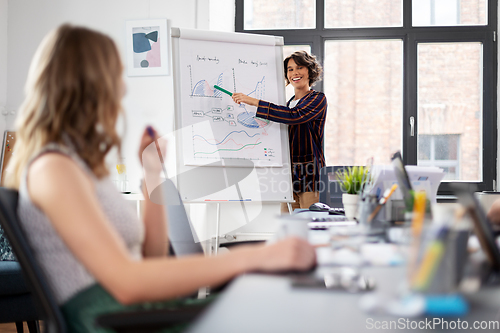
(411,37)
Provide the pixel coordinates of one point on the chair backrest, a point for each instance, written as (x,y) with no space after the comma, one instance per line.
(35,278)
(330,192)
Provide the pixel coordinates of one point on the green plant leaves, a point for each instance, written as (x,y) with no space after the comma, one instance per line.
(352,179)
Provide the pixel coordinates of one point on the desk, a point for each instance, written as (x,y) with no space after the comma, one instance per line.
(267,303)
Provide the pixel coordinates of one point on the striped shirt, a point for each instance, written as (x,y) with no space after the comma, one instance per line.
(305,131)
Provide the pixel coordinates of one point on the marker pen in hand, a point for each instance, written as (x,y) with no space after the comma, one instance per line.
(151,133)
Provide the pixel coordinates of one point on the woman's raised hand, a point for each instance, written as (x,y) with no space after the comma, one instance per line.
(152,151)
(239,98)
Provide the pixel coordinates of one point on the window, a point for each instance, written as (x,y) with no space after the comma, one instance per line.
(449,12)
(441,151)
(417,76)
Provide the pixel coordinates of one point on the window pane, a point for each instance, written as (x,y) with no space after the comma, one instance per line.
(449,108)
(448,12)
(424,148)
(363,85)
(279,14)
(287,50)
(363,13)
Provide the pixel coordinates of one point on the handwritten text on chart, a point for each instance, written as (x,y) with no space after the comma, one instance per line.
(209,59)
(252,62)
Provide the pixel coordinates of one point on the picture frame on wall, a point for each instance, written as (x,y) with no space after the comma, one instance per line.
(147,47)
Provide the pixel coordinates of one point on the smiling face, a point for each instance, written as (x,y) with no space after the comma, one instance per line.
(297,75)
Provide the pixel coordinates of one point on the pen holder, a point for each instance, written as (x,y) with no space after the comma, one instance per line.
(367,206)
(440,263)
(395,210)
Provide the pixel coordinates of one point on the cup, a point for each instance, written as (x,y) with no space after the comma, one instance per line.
(296,228)
(122,182)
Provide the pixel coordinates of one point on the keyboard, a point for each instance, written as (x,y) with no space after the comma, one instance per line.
(322,223)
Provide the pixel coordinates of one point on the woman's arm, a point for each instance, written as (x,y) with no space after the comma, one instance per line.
(66,195)
(245,99)
(308,109)
(154,217)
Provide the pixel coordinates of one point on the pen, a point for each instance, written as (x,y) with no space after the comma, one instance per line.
(223,90)
(152,135)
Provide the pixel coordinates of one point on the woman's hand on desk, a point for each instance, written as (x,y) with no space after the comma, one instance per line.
(289,254)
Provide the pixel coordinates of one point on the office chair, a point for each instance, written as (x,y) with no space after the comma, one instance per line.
(128,321)
(330,192)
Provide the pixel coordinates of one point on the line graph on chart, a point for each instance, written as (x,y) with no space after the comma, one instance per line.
(230,146)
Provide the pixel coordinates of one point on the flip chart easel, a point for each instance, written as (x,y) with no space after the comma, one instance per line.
(223,152)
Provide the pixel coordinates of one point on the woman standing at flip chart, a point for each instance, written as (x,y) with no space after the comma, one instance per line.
(305,113)
(99,257)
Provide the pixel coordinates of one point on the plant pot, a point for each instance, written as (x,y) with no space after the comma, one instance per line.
(350,202)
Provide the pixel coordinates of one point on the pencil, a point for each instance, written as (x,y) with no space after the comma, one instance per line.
(151,133)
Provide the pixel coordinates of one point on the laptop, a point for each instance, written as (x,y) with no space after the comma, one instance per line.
(404,183)
(482,227)
(180,231)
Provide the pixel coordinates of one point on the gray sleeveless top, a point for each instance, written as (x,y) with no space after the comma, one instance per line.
(65,273)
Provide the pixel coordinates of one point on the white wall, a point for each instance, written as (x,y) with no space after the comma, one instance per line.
(149,100)
(222,14)
(3,60)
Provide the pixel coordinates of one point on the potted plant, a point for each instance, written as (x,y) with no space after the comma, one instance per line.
(351,181)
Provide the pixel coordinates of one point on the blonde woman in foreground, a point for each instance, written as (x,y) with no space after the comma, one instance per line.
(98,256)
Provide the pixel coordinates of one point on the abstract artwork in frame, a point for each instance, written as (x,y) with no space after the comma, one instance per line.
(147,48)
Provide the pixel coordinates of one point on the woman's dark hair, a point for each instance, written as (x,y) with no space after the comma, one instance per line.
(302,58)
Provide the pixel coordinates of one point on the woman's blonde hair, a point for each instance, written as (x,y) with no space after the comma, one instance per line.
(73,93)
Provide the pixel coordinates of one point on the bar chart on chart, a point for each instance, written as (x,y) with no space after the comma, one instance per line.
(213,126)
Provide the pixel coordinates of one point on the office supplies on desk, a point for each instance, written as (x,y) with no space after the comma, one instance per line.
(416,232)
(431,259)
(382,201)
(343,279)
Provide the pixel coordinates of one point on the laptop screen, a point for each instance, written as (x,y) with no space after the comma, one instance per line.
(482,226)
(181,234)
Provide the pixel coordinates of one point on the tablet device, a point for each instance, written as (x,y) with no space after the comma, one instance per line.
(482,227)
